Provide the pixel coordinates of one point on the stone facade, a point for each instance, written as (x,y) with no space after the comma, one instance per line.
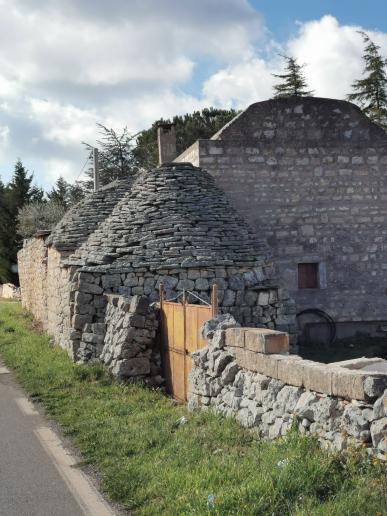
(238,376)
(310,175)
(32,260)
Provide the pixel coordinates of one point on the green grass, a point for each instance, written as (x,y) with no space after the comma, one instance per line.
(128,433)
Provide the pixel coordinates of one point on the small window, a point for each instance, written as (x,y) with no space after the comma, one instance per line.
(308,276)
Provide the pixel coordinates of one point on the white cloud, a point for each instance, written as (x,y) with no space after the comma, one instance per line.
(63,124)
(241,84)
(4,138)
(331,52)
(66,65)
(62,167)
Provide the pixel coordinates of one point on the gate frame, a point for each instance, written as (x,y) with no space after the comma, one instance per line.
(165,348)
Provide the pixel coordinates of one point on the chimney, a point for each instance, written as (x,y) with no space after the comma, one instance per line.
(166,140)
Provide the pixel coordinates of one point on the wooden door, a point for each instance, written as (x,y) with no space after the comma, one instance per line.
(180,336)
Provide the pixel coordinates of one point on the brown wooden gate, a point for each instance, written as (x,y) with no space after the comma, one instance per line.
(180,336)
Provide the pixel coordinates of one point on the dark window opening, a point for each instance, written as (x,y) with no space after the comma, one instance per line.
(308,275)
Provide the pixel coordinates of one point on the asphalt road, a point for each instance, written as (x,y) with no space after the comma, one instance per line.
(38,476)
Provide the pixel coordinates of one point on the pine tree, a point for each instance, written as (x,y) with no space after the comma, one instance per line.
(17,194)
(5,266)
(60,193)
(370,93)
(293,81)
(75,193)
(115,158)
(20,189)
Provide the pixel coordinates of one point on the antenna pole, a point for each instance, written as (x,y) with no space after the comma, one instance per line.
(96,169)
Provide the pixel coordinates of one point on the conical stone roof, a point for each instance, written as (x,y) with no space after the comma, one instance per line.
(83,219)
(173,216)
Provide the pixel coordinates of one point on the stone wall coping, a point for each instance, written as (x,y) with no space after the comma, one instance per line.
(358,363)
(330,379)
(266,352)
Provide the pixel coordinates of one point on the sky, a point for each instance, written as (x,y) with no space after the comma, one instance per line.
(67,65)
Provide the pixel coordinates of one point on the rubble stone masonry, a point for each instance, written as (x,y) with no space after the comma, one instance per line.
(32,259)
(245,373)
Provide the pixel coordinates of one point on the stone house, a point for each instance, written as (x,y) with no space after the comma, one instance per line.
(310,176)
(170,225)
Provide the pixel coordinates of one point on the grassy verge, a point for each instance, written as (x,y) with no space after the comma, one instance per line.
(210,465)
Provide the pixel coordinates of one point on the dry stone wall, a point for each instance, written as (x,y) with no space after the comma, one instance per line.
(250,296)
(238,376)
(129,345)
(32,262)
(46,288)
(60,300)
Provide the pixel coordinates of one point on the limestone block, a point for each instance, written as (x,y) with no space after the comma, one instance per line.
(201,284)
(221,362)
(220,322)
(348,384)
(139,305)
(199,382)
(263,298)
(131,281)
(380,406)
(267,341)
(379,434)
(79,321)
(317,377)
(136,320)
(305,406)
(287,399)
(132,367)
(92,338)
(186,284)
(236,282)
(229,373)
(218,340)
(258,362)
(193,274)
(111,280)
(375,385)
(235,337)
(354,422)
(90,288)
(229,298)
(82,298)
(292,373)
